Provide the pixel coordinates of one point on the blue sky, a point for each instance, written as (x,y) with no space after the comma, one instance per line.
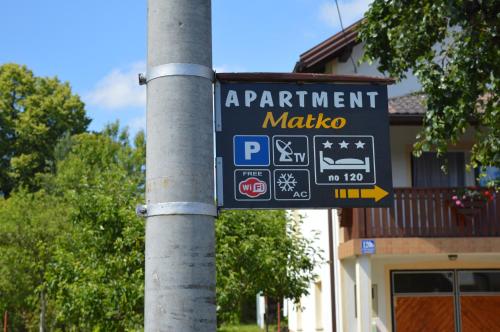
(99,46)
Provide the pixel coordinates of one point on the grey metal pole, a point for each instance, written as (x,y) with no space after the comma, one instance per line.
(180,245)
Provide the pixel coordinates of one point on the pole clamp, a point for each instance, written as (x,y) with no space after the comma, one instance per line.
(177,69)
(176,208)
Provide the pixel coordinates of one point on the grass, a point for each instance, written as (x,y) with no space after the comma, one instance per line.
(240,328)
(244,328)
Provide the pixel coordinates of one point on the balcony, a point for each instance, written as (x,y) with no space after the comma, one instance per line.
(424,212)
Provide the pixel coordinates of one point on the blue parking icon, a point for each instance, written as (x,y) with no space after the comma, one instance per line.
(251,150)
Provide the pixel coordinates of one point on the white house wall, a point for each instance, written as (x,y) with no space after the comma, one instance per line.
(406,86)
(402,139)
(306,321)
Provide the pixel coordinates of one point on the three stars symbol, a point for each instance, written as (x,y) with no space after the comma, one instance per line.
(344,144)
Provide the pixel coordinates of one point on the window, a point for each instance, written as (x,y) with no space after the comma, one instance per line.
(318,305)
(374,300)
(299,317)
(492,174)
(426,170)
(479,281)
(423,282)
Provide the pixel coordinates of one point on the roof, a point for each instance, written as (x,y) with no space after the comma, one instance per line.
(407,104)
(407,110)
(301,77)
(314,59)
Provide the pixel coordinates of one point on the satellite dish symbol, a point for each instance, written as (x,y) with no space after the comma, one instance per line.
(285,150)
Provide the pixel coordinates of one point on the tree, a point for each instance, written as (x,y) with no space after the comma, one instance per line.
(72,253)
(98,271)
(35,112)
(30,225)
(452,47)
(261,251)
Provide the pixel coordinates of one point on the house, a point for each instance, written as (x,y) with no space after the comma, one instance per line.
(436,263)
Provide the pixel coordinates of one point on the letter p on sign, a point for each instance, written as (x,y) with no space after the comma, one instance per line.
(251,150)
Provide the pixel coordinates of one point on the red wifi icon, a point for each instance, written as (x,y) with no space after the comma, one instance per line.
(252,187)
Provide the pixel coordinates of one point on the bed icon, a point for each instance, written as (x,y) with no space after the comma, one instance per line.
(326,163)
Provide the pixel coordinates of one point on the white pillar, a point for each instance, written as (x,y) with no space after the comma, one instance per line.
(261,309)
(364,293)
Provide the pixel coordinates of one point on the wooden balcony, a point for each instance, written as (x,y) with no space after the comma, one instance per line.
(424,212)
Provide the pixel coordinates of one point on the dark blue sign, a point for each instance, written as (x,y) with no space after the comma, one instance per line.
(307,145)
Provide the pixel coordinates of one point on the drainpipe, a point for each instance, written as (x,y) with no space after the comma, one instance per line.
(332,270)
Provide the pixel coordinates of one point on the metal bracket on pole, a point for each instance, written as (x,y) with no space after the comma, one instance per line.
(177,69)
(217,102)
(170,208)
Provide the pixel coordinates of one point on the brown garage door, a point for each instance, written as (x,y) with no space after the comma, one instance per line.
(425,313)
(423,301)
(479,300)
(446,301)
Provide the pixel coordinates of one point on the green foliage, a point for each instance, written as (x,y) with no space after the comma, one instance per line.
(71,246)
(35,112)
(97,275)
(30,225)
(452,47)
(74,250)
(261,251)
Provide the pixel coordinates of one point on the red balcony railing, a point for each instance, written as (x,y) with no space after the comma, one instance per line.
(424,212)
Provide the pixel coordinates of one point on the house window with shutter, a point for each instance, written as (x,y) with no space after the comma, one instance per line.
(427,172)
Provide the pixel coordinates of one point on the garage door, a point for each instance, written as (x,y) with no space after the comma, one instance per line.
(424,301)
(479,300)
(446,301)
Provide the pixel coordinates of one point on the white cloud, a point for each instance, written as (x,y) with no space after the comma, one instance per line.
(228,68)
(119,89)
(351,11)
(138,123)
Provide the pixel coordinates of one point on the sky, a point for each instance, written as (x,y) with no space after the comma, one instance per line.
(99,46)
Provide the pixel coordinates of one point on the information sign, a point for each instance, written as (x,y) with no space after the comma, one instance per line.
(307,145)
(368,247)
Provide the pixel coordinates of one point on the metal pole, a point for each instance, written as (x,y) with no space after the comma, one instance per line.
(180,240)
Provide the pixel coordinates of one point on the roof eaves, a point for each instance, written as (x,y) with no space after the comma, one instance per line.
(328,49)
(301,77)
(406,119)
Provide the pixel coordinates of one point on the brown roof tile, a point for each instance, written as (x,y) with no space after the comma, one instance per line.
(411,104)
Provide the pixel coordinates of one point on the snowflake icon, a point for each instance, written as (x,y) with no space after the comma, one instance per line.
(286,182)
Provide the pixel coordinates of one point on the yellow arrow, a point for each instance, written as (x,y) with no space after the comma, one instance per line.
(376,193)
